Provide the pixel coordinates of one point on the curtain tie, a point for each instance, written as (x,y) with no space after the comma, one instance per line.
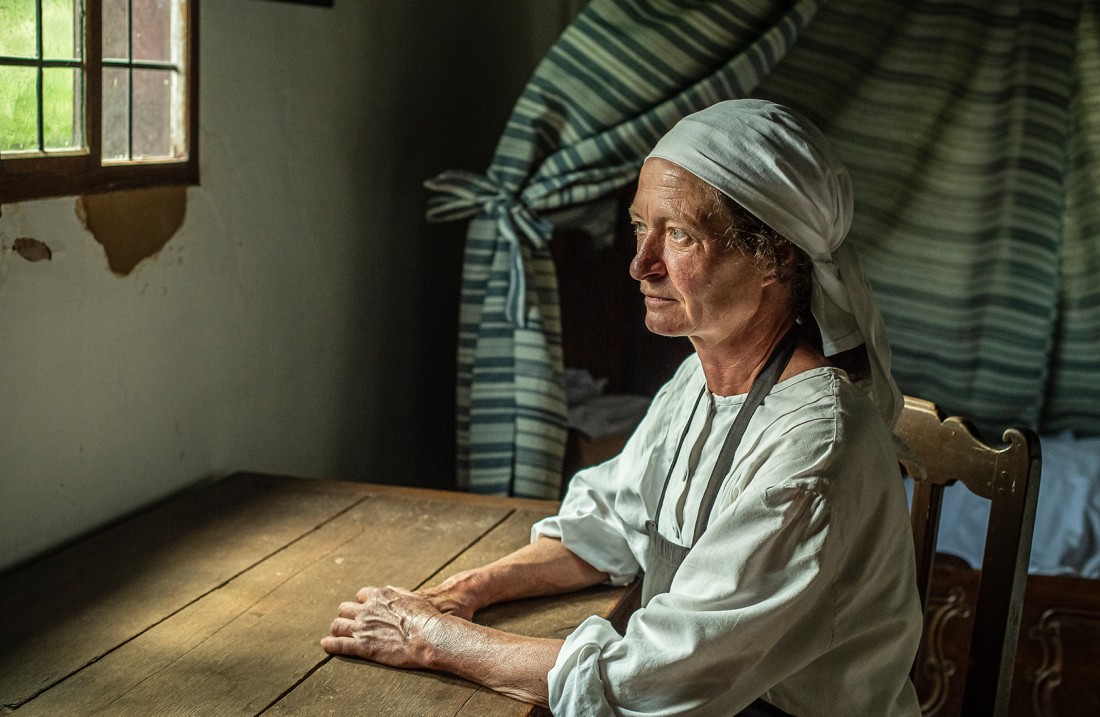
(465,194)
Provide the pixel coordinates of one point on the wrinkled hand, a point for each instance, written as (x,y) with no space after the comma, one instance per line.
(451,598)
(386,625)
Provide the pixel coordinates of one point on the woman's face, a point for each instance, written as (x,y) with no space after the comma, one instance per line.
(693,284)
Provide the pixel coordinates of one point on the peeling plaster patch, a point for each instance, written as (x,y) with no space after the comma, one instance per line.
(133,225)
(31,249)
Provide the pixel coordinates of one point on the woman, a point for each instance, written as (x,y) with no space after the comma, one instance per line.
(760,494)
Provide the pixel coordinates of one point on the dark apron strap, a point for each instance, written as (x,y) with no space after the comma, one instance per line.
(761,386)
(665,557)
(676,455)
(662,561)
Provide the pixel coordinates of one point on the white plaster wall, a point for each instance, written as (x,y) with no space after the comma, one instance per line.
(302,320)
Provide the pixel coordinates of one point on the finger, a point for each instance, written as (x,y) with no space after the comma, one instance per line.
(386,595)
(348,609)
(400,591)
(364,594)
(341,627)
(338,645)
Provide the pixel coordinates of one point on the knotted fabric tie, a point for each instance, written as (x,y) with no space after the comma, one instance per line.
(466,194)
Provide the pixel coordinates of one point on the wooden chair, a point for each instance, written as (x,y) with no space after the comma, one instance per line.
(943,451)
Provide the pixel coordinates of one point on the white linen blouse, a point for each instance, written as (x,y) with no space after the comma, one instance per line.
(800,590)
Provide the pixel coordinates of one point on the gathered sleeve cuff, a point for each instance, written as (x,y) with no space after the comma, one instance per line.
(602,518)
(589,529)
(576,684)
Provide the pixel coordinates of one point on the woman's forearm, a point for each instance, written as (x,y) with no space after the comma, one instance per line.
(431,627)
(544,567)
(514,665)
(395,627)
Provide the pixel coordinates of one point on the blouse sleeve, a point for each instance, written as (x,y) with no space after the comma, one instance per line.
(589,525)
(602,518)
(751,604)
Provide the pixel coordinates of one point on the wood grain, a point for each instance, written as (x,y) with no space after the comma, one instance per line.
(215,603)
(238,651)
(397,693)
(73,608)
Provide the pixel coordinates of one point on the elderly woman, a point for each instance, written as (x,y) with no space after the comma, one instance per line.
(760,494)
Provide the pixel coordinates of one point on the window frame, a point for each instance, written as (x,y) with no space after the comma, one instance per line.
(82,171)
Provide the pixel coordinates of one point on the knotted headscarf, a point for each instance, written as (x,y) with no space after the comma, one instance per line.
(778,166)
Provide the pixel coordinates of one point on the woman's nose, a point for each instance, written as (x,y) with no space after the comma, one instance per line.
(647,264)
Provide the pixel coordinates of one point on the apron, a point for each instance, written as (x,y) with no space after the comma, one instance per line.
(665,557)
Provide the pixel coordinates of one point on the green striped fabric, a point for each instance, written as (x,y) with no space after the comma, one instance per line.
(969,128)
(954,120)
(1073,395)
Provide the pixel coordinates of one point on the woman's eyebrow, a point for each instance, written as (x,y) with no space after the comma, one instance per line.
(678,216)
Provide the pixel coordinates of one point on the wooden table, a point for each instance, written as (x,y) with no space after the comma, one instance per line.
(214,603)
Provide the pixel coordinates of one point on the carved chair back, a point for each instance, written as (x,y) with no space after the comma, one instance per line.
(945,450)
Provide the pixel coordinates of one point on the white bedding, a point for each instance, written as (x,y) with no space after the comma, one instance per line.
(1067,520)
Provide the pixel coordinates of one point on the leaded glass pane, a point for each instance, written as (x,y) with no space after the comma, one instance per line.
(17,28)
(152,113)
(152,30)
(60,30)
(116,30)
(116,113)
(61,103)
(18,109)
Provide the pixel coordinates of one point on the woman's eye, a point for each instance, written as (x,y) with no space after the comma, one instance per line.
(639,228)
(678,235)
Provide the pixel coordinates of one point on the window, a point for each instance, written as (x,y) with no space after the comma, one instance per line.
(97,95)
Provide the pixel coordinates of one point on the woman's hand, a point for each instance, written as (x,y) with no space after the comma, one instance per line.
(544,567)
(387,625)
(454,596)
(431,628)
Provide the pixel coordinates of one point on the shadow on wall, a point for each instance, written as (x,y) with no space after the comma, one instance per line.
(461,75)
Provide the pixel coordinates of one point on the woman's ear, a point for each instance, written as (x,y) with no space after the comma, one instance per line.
(781,270)
(784,262)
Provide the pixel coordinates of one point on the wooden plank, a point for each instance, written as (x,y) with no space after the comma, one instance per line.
(66,611)
(97,686)
(555,617)
(537,505)
(401,693)
(238,649)
(348,687)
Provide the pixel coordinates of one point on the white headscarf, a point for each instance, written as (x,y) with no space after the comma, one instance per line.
(777,165)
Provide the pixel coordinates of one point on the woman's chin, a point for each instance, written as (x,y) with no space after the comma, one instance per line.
(662,327)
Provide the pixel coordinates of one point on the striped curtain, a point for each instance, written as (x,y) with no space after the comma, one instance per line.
(970,128)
